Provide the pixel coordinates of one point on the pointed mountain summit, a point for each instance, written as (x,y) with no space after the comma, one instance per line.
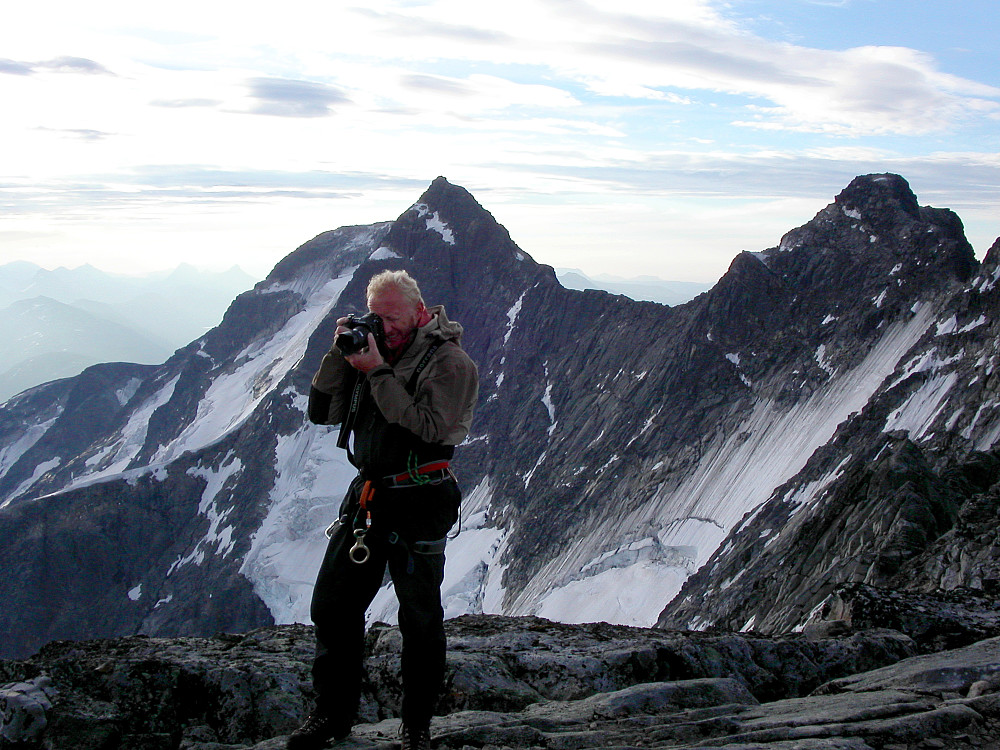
(618,446)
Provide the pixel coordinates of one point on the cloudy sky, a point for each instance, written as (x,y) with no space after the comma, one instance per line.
(615,136)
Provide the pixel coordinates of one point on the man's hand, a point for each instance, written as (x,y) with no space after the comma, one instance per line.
(367,360)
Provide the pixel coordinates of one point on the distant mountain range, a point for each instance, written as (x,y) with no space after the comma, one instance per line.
(647,288)
(55,323)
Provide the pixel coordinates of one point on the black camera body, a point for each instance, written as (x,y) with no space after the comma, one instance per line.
(356,339)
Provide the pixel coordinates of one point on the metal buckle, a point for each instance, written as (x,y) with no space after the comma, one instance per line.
(359,552)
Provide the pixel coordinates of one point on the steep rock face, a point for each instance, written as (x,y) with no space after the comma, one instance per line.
(719,401)
(616,443)
(903,496)
(869,520)
(60,419)
(117,545)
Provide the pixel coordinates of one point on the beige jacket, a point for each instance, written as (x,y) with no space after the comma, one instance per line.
(440,410)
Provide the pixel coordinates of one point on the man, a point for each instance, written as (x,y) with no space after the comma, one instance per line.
(407,404)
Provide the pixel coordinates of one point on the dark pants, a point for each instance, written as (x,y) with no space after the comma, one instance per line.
(345,589)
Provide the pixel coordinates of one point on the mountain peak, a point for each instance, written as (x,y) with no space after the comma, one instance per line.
(874,194)
(447,223)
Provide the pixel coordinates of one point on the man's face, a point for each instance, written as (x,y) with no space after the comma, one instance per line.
(400,316)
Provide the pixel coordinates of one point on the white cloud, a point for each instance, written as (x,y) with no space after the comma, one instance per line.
(128,120)
(288,98)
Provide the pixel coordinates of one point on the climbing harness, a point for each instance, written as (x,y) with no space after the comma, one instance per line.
(415,475)
(433,472)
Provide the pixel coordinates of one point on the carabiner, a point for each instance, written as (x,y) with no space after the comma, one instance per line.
(332,528)
(359,552)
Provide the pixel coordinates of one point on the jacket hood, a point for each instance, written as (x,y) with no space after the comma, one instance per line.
(440,327)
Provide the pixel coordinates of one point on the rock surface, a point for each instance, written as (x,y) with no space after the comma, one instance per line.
(518,683)
(936,621)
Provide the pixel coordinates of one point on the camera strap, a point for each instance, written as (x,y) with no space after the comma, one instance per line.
(357,394)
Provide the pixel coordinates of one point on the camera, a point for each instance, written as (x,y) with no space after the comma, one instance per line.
(356,339)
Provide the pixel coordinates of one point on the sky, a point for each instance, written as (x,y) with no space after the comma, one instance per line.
(621,137)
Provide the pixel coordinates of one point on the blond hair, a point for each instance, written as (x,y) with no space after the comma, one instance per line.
(399,280)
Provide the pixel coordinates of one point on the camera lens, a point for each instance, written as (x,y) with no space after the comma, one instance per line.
(351,342)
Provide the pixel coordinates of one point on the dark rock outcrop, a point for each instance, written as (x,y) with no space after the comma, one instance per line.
(516,683)
(937,621)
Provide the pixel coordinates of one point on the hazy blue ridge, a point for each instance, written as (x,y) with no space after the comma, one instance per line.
(648,288)
(55,323)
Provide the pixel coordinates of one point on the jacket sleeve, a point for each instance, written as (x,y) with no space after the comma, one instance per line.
(329,393)
(440,411)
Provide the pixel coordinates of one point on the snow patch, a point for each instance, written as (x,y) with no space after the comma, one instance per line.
(126,392)
(921,408)
(628,585)
(169,598)
(947,326)
(472,571)
(953,420)
(221,537)
(822,362)
(526,478)
(217,536)
(951,325)
(807,494)
(233,397)
(988,281)
(311,478)
(11,453)
(512,314)
(113,458)
(633,595)
(988,437)
(434,223)
(547,402)
(38,473)
(929,361)
(980,321)
(384,253)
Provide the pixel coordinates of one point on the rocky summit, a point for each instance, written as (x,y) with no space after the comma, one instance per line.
(519,683)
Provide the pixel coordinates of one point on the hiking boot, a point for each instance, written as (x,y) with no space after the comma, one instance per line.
(416,738)
(319,729)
